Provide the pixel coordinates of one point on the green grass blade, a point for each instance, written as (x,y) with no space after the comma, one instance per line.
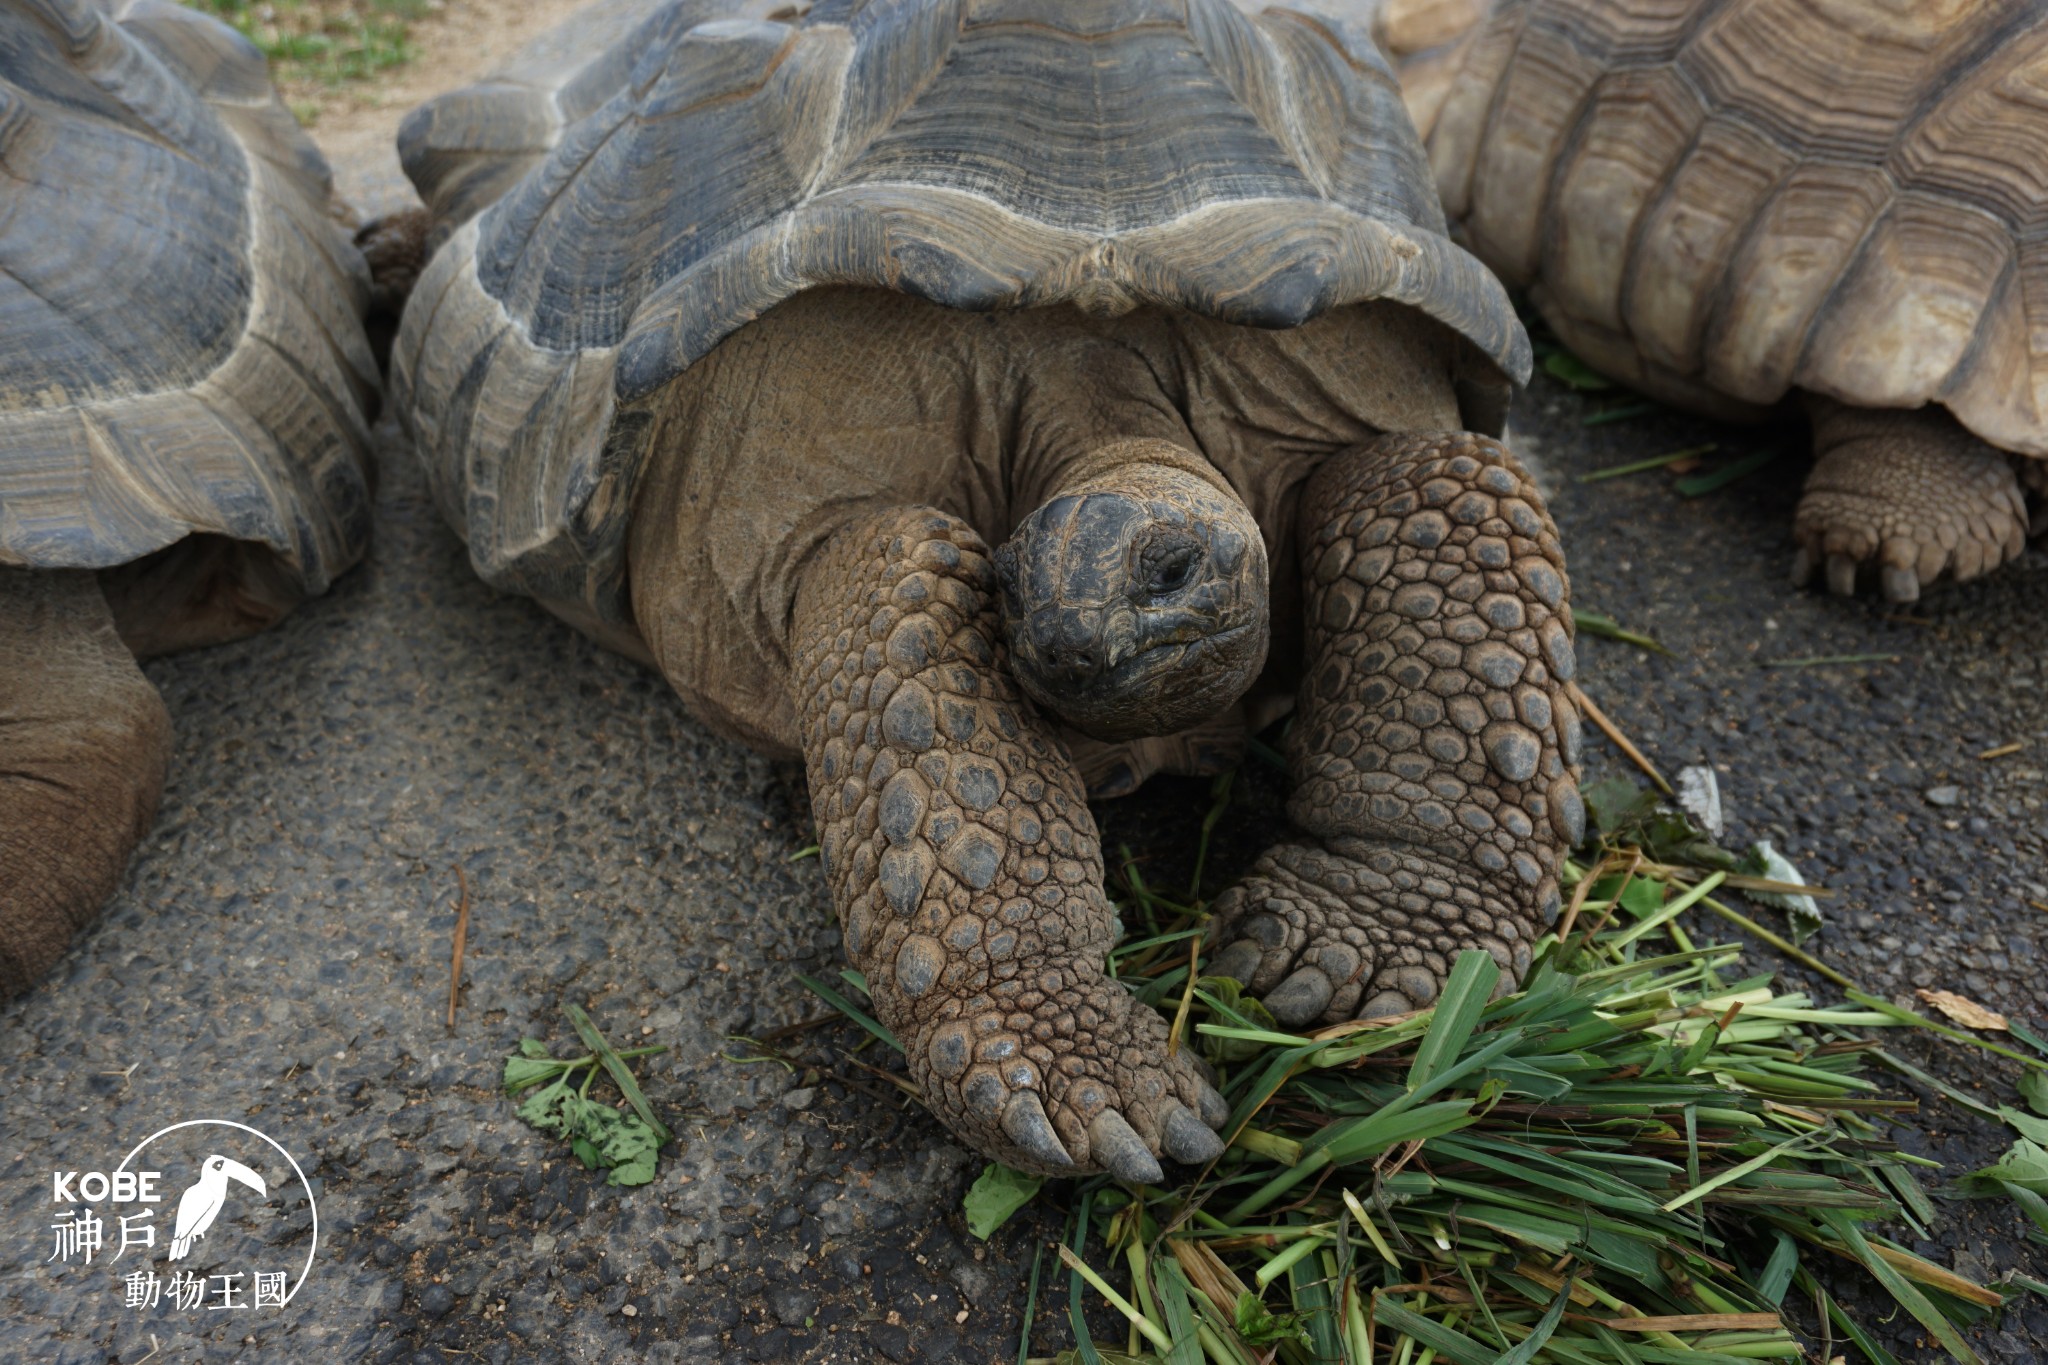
(1447,1342)
(1905,1291)
(1465,993)
(1545,1326)
(621,1074)
(1084,1345)
(850,1010)
(1173,1290)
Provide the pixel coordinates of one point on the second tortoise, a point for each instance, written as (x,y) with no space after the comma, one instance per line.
(1726,205)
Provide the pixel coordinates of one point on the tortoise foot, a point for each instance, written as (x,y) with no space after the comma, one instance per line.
(1070,1075)
(1900,499)
(1327,933)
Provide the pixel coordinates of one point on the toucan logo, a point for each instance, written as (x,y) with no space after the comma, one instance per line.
(200,1205)
(111,1216)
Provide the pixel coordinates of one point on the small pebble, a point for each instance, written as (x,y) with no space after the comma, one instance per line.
(800,1099)
(1944,796)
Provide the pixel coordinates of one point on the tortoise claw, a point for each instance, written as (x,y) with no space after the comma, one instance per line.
(1215,1109)
(1238,962)
(1802,567)
(1186,1138)
(1901,584)
(1301,997)
(1841,575)
(1025,1123)
(1118,1149)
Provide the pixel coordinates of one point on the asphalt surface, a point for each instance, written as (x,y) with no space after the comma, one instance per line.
(279,955)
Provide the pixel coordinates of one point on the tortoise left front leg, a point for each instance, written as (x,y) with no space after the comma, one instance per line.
(1434,755)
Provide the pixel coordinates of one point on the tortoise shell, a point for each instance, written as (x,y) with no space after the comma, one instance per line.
(184,353)
(1723,202)
(674,170)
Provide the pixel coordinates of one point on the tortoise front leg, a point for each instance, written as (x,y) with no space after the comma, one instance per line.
(965,865)
(1434,754)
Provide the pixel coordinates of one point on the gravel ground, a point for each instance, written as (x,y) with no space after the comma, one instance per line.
(279,955)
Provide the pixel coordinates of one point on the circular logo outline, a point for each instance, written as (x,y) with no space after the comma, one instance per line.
(312,1204)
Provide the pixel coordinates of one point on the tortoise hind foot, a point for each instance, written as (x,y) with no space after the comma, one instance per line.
(1350,929)
(965,866)
(84,743)
(396,248)
(1902,498)
(1434,757)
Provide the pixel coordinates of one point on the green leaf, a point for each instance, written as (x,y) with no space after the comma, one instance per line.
(1175,1306)
(621,1074)
(2026,1165)
(521,1072)
(1777,1276)
(1473,977)
(1614,803)
(1535,1341)
(1084,1345)
(535,1048)
(997,1193)
(549,1110)
(1249,1012)
(1607,628)
(1909,1296)
(2031,1128)
(2034,1089)
(1449,1343)
(838,1001)
(1260,1326)
(1700,484)
(586,1152)
(1575,373)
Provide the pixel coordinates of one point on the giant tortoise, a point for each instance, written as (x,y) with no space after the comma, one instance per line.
(1725,203)
(184,384)
(946,390)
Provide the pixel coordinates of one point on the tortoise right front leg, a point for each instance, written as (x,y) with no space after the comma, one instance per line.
(965,865)
(84,742)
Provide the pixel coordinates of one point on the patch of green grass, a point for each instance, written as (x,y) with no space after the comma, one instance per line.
(332,42)
(1634,1157)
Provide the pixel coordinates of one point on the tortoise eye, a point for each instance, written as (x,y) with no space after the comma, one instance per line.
(1172,574)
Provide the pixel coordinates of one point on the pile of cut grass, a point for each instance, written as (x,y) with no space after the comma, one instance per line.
(1635,1157)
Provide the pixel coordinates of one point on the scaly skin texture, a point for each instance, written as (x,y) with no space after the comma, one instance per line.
(1910,495)
(965,865)
(1434,759)
(84,742)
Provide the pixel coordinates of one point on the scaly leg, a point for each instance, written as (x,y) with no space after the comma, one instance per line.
(1910,494)
(965,865)
(1434,758)
(84,742)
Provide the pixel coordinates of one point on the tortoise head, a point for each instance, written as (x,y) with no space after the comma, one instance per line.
(1135,599)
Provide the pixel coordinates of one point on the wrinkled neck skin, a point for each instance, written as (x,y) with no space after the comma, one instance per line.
(1135,598)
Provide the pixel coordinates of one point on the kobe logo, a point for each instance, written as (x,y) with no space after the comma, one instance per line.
(200,1205)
